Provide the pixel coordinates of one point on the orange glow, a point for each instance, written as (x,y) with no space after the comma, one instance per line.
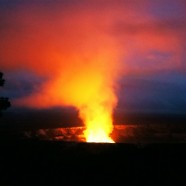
(89,86)
(97,117)
(99,126)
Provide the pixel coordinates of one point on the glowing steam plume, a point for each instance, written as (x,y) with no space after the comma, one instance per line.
(96,112)
(79,58)
(92,92)
(91,89)
(98,120)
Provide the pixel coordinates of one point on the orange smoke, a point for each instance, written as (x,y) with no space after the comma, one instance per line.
(80,59)
(88,86)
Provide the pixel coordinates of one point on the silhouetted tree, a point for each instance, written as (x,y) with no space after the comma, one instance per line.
(4,101)
(2,81)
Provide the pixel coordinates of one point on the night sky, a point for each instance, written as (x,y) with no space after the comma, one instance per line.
(139,43)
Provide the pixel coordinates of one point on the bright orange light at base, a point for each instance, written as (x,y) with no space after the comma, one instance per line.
(98,121)
(98,136)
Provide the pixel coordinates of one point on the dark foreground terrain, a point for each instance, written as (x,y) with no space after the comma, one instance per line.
(38,162)
(152,152)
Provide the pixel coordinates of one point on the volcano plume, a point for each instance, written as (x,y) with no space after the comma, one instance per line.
(79,59)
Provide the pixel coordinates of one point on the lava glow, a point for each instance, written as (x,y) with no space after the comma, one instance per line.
(98,121)
(96,110)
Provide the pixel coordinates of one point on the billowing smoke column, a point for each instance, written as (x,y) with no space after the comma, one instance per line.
(91,89)
(79,57)
(87,83)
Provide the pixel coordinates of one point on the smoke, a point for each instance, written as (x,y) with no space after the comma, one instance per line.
(76,53)
(81,49)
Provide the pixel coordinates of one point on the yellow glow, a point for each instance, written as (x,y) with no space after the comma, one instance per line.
(98,121)
(97,136)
